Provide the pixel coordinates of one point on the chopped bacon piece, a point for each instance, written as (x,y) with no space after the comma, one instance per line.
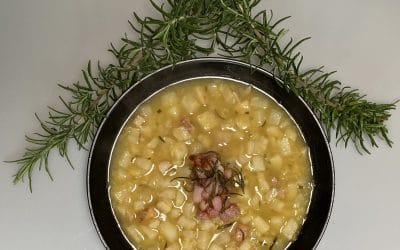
(229,213)
(197,192)
(146,213)
(214,182)
(205,160)
(217,203)
(187,124)
(241,233)
(212,213)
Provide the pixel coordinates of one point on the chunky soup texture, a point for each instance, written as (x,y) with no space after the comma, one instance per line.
(247,129)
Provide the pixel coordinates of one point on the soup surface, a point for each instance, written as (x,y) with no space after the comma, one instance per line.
(258,167)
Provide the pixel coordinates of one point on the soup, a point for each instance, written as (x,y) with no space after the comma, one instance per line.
(210,164)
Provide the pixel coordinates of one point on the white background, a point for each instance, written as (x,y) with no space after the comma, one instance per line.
(44,42)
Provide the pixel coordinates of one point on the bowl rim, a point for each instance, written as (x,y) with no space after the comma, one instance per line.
(212,60)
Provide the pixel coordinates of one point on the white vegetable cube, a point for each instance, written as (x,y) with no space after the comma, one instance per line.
(164,166)
(261,145)
(154,223)
(147,152)
(277,221)
(251,147)
(258,163)
(180,198)
(229,96)
(143,163)
(146,111)
(292,190)
(181,133)
(175,213)
(139,205)
(223,239)
(201,94)
(246,219)
(188,234)
(203,240)
(125,159)
(168,193)
(259,102)
(246,245)
(223,137)
(149,233)
(255,202)
(285,146)
(174,246)
(291,134)
(243,159)
(179,151)
(153,143)
(242,121)
(188,209)
(242,107)
(164,206)
(290,229)
(133,135)
(276,161)
(186,223)
(277,205)
(259,117)
(188,244)
(135,234)
(174,111)
(213,90)
(169,99)
(138,121)
(204,140)
(190,104)
(214,246)
(208,120)
(169,231)
(275,117)
(207,225)
(262,182)
(260,224)
(274,131)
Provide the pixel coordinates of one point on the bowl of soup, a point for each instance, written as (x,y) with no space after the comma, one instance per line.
(210,154)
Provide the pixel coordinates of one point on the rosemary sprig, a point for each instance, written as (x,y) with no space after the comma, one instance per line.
(189,29)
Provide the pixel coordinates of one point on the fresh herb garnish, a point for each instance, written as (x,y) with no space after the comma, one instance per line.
(231,27)
(213,184)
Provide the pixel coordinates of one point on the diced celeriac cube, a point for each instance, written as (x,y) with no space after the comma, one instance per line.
(169,231)
(138,121)
(125,159)
(285,146)
(133,135)
(208,120)
(190,104)
(169,99)
(258,163)
(260,224)
(276,161)
(259,102)
(275,117)
(181,133)
(290,229)
(203,240)
(136,235)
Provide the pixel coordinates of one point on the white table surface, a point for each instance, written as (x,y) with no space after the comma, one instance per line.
(44,42)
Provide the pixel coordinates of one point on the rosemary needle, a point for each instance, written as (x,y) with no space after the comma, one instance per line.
(229,26)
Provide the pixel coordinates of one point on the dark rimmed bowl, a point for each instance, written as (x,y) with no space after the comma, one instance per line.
(98,164)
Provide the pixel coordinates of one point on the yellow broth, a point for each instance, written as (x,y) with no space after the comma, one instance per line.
(246,128)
